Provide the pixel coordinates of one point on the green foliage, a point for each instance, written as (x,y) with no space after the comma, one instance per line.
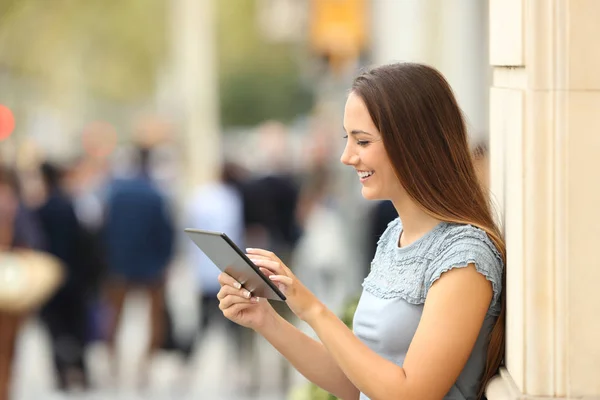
(111,48)
(313,392)
(258,80)
(252,96)
(348,313)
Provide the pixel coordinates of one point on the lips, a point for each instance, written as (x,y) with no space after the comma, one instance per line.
(365,174)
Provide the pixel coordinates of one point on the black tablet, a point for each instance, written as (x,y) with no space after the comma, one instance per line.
(228,257)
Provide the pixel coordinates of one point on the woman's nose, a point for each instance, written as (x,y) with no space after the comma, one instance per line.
(348,158)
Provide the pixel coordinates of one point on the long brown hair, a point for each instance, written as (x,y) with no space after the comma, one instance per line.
(425,137)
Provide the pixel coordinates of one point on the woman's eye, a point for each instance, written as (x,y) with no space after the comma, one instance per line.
(358,142)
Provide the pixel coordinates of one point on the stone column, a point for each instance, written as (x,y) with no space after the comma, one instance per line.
(545,158)
(193,77)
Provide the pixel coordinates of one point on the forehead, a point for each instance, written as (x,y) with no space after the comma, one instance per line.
(356,115)
(355,105)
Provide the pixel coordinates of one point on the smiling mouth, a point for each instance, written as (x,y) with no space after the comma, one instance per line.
(364,175)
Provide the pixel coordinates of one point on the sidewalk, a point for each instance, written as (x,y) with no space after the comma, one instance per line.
(209,377)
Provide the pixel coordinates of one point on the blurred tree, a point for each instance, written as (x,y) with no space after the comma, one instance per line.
(259,80)
(257,94)
(111,48)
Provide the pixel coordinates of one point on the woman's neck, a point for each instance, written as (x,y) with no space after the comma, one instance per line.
(415,222)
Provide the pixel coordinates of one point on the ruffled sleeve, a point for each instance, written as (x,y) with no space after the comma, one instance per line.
(464,245)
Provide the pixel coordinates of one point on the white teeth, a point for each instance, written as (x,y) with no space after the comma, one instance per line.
(364,174)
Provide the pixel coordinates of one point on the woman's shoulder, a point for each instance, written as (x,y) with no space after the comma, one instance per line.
(409,273)
(456,239)
(459,245)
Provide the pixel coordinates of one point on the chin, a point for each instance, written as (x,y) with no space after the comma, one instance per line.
(370,194)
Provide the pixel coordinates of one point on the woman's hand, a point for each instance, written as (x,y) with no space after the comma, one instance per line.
(300,300)
(239,306)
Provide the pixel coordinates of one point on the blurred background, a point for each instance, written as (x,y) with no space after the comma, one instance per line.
(124,122)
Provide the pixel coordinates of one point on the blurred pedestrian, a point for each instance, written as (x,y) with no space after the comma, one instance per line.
(65,314)
(218,207)
(320,259)
(86,183)
(271,195)
(19,231)
(139,239)
(270,209)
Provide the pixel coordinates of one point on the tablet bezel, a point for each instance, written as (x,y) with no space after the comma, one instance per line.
(240,253)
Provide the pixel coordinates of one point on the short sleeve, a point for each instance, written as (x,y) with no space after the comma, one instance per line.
(464,245)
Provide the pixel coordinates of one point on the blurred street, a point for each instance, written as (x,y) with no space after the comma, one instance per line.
(209,376)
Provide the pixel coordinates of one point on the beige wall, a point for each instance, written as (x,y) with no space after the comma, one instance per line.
(545,163)
(450,35)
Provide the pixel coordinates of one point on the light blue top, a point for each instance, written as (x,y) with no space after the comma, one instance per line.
(394,292)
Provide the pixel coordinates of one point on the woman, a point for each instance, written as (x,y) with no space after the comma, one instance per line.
(430,322)
(19,231)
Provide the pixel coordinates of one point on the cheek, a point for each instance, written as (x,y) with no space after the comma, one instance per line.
(389,181)
(386,169)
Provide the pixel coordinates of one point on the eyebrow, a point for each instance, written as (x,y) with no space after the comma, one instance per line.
(357,131)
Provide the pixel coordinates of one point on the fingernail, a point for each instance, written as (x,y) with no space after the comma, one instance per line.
(247,294)
(255,299)
(249,248)
(237,285)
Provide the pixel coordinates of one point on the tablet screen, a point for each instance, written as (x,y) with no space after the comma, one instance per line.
(230,259)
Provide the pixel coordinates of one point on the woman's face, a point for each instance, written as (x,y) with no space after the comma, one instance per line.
(365,152)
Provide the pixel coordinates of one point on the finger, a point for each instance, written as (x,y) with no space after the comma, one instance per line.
(284,280)
(235,309)
(265,271)
(273,266)
(256,257)
(230,300)
(231,291)
(226,279)
(264,253)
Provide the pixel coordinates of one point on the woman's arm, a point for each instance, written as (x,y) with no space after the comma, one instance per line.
(452,318)
(308,356)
